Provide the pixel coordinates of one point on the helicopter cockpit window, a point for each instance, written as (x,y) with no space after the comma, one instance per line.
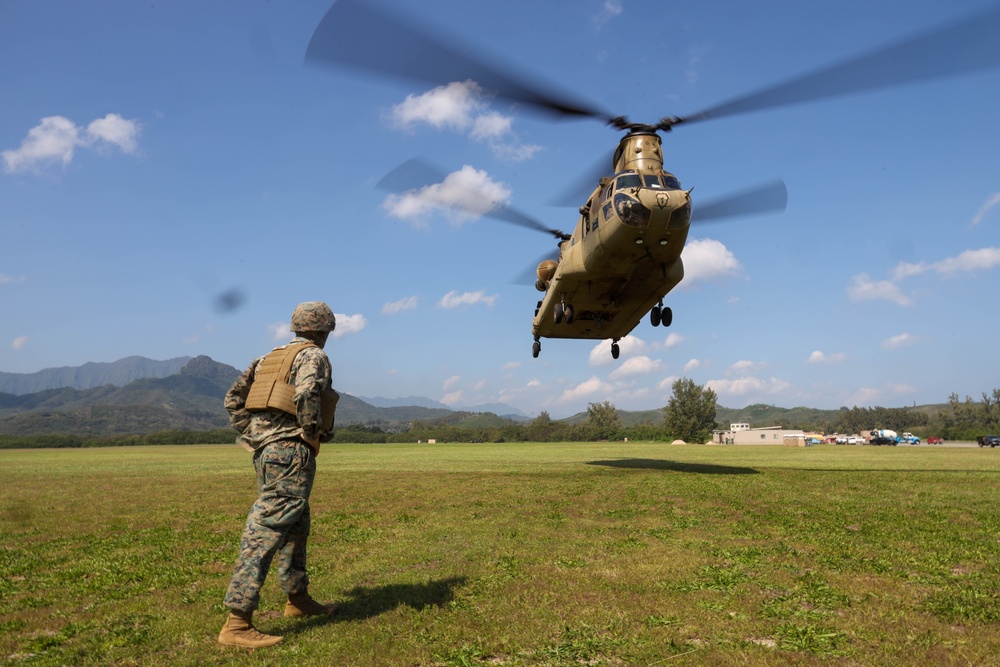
(628,181)
(670,182)
(652,181)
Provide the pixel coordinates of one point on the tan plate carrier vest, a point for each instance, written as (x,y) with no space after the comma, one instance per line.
(270,388)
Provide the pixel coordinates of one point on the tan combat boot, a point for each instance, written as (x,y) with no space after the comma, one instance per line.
(239,631)
(302,604)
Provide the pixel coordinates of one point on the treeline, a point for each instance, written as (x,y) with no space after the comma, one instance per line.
(690,416)
(959,420)
(173,437)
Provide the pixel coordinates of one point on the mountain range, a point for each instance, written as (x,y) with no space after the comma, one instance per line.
(91,374)
(107,399)
(190,398)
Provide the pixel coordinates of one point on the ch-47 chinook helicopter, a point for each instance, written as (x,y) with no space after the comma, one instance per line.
(624,254)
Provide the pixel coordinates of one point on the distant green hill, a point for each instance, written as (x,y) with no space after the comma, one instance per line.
(190,399)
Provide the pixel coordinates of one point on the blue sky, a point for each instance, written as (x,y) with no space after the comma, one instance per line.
(157,157)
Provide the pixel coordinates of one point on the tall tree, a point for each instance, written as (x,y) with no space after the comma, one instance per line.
(603,421)
(690,413)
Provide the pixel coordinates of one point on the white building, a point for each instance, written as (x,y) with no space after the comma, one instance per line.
(742,434)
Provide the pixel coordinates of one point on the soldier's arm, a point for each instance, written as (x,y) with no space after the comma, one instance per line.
(311,377)
(236,399)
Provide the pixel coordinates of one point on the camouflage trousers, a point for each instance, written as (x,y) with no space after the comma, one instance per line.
(278,524)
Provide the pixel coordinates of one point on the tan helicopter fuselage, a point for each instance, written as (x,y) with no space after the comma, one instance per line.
(624,255)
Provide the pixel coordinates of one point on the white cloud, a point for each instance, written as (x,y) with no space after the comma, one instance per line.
(510,365)
(640,365)
(452,106)
(463,196)
(280,331)
(691,365)
(673,340)
(56,138)
(407,303)
(19,342)
(990,202)
(707,259)
(453,299)
(819,357)
(600,355)
(667,382)
(747,385)
(609,10)
(863,288)
(968,261)
(899,341)
(453,398)
(584,389)
(7,280)
(451,382)
(115,130)
(745,366)
(462,107)
(491,126)
(348,324)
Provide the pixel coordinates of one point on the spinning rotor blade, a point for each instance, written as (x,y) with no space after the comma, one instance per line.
(365,37)
(767,198)
(970,45)
(415,174)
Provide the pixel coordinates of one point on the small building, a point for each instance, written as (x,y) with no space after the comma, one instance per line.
(742,434)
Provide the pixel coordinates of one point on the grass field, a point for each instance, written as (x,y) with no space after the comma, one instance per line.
(516,554)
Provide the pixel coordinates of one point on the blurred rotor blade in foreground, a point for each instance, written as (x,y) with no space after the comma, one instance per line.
(360,35)
(970,45)
(766,198)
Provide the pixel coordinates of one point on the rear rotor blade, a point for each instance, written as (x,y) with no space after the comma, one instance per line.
(766,198)
(366,37)
(970,45)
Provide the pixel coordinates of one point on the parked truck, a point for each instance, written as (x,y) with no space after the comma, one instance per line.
(883,436)
(909,438)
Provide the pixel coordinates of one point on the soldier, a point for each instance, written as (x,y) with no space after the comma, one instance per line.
(283,407)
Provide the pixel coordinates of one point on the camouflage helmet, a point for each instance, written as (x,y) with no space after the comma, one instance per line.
(313,316)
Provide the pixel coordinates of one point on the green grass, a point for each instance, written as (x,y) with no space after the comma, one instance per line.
(516,554)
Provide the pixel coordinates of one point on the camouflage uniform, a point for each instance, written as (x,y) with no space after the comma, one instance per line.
(279,521)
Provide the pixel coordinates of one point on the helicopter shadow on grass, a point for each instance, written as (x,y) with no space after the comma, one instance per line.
(675,466)
(364,602)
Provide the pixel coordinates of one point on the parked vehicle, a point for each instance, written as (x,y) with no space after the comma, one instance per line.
(988,440)
(909,438)
(935,441)
(884,436)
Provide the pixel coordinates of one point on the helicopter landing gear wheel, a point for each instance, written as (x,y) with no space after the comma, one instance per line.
(557,313)
(568,313)
(615,350)
(666,317)
(536,347)
(654,316)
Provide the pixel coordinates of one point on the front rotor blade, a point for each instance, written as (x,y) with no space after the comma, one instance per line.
(365,37)
(766,198)
(970,45)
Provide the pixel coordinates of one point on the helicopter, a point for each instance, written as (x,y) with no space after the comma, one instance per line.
(623,256)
